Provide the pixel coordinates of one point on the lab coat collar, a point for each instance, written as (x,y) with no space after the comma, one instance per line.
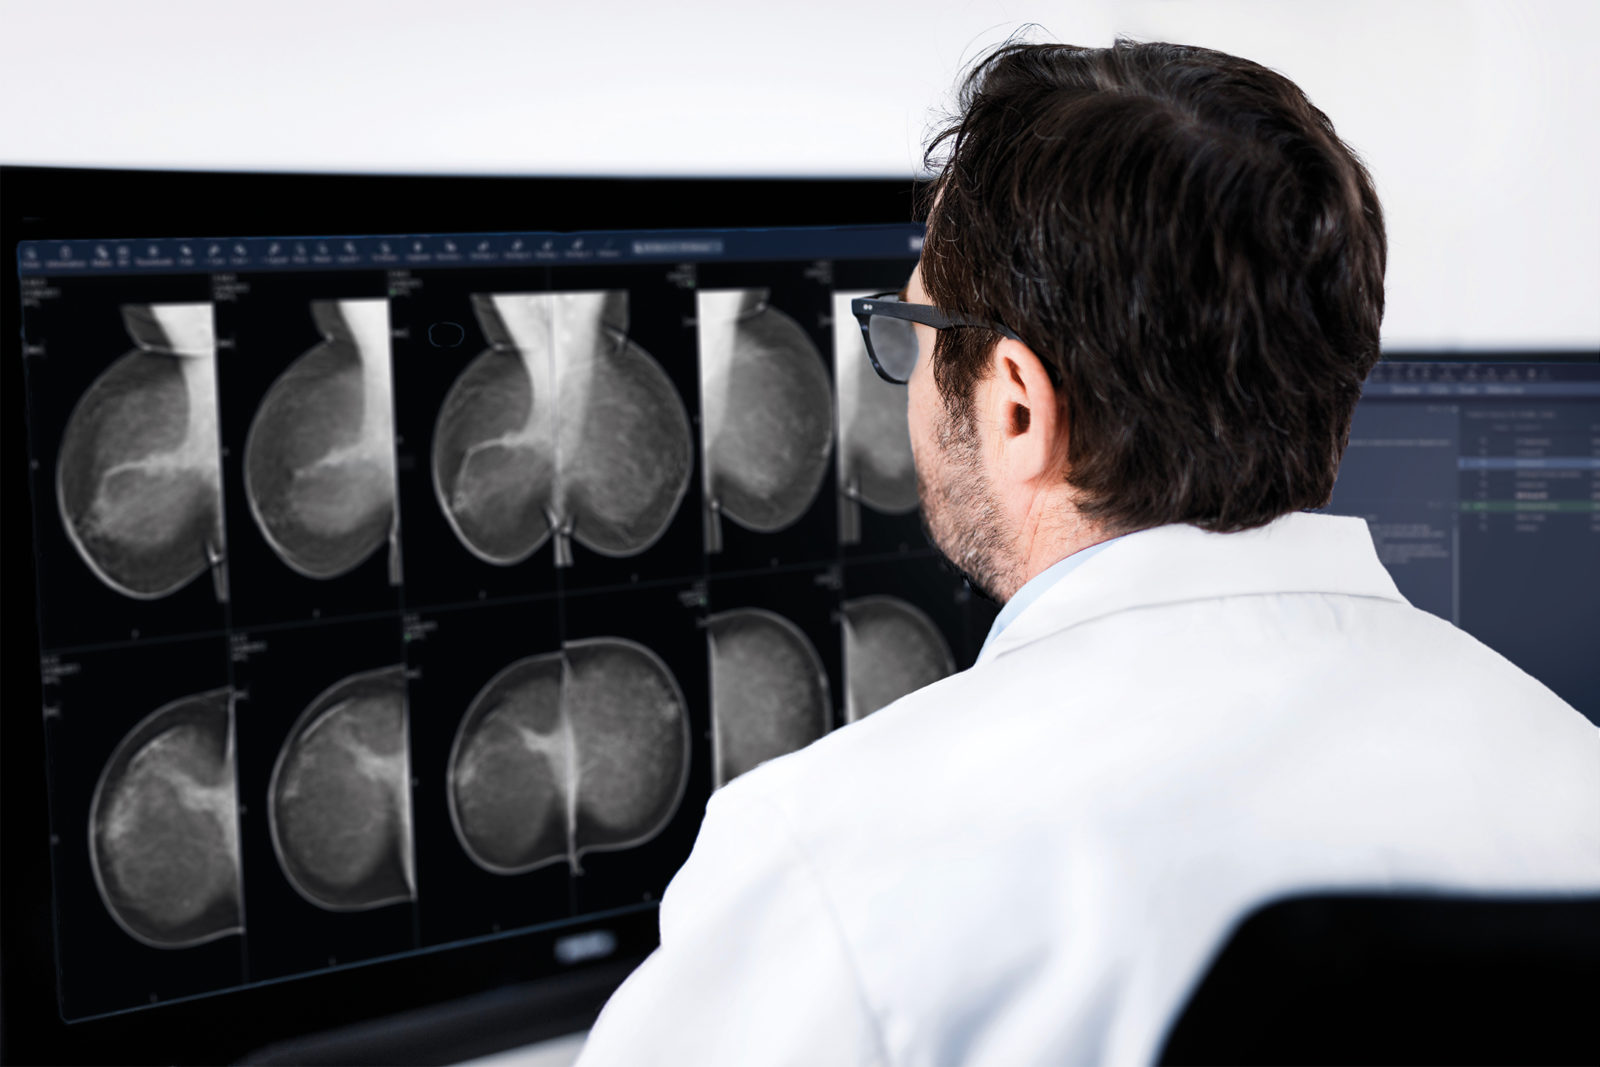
(1297,553)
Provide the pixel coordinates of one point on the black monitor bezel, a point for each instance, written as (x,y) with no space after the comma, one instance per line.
(51,203)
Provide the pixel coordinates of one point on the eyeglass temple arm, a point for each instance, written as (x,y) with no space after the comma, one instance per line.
(926,314)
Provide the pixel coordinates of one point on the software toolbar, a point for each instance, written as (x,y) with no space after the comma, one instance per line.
(188,254)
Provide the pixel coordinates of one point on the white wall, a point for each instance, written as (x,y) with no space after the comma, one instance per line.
(1479,118)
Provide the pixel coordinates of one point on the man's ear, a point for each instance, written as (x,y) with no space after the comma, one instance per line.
(1024,412)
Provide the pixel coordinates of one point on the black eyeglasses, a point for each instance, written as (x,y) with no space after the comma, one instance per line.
(887,327)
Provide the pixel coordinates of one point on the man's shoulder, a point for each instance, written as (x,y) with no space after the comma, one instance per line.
(883,797)
(1146,695)
(1055,798)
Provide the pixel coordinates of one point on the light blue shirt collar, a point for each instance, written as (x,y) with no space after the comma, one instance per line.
(1036,586)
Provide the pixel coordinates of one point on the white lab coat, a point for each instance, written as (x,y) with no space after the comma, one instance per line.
(1032,861)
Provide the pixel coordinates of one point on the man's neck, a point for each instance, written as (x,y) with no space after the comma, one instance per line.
(1042,545)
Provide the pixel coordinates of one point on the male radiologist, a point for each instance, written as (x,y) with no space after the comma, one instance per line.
(1150,291)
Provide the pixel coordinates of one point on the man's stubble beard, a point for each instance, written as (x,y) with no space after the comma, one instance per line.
(960,513)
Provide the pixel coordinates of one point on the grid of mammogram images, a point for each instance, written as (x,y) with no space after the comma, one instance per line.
(383,610)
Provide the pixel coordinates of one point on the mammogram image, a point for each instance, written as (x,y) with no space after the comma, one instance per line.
(564,428)
(340,798)
(769,691)
(585,749)
(874,458)
(890,649)
(164,826)
(319,459)
(767,424)
(139,477)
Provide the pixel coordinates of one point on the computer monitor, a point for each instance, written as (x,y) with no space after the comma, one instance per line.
(1479,477)
(406,560)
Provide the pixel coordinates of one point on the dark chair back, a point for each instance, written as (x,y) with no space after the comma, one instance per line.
(1341,979)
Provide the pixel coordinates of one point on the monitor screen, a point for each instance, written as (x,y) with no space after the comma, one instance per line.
(402,591)
(408,560)
(1480,482)
(398,590)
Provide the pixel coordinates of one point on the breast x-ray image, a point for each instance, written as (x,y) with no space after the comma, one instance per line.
(768,413)
(585,749)
(164,826)
(563,429)
(769,691)
(891,648)
(340,797)
(139,478)
(319,458)
(874,458)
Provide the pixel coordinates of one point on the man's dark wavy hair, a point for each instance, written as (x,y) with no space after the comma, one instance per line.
(1184,239)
